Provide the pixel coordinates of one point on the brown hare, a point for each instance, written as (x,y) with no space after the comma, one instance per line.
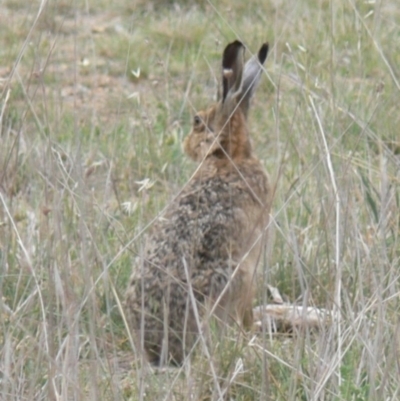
(203,254)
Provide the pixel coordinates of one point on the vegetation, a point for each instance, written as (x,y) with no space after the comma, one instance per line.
(95,99)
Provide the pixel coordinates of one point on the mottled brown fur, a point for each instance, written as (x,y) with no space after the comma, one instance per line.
(210,239)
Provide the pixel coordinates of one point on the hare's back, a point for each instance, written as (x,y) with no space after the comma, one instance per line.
(209,222)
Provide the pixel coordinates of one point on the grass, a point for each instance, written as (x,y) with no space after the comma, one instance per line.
(91,152)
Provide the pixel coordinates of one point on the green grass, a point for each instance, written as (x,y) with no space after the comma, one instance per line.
(80,134)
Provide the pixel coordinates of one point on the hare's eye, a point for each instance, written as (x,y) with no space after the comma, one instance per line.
(196,121)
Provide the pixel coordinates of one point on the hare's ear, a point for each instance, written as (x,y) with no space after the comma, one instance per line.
(251,77)
(232,68)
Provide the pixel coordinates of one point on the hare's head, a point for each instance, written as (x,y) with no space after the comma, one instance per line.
(221,131)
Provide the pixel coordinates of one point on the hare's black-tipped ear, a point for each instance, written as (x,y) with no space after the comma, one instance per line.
(251,76)
(232,67)
(263,53)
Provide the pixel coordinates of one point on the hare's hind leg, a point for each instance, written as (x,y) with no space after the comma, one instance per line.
(244,305)
(180,324)
(248,318)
